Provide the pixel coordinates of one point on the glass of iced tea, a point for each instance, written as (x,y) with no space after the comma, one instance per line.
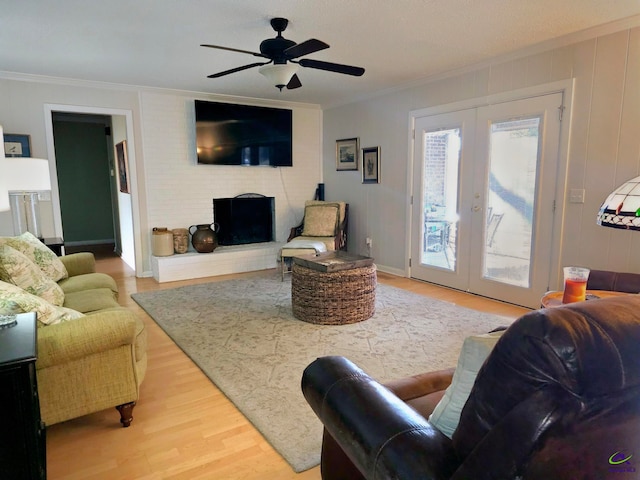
(575,284)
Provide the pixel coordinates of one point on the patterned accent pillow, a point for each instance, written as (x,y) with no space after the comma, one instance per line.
(16,268)
(38,253)
(15,300)
(321,220)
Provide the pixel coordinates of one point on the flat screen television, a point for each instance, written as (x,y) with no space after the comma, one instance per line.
(231,134)
(243,220)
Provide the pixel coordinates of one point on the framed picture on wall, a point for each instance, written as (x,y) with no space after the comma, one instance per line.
(371,165)
(16,145)
(123,166)
(347,154)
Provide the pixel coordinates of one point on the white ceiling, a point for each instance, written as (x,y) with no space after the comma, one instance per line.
(156,42)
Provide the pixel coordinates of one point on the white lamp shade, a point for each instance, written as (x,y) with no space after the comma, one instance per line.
(4,191)
(26,174)
(279,74)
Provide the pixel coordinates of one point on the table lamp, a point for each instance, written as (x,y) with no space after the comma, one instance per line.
(4,191)
(621,209)
(24,178)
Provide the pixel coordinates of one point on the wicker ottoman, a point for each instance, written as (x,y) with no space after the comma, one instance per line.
(333,298)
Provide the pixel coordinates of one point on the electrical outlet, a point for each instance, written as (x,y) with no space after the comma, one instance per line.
(369,242)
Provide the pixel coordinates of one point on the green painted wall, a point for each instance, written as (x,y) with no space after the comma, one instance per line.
(83,181)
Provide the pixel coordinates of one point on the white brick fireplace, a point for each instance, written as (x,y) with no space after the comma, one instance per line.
(179,192)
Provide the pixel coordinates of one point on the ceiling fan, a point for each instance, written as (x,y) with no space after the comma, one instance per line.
(282,55)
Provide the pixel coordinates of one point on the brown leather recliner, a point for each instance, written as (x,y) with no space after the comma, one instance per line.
(558,398)
(614,281)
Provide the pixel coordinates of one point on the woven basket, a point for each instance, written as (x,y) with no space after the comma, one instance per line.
(333,298)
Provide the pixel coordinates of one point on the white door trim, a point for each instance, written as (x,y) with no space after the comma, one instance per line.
(566,87)
(49,108)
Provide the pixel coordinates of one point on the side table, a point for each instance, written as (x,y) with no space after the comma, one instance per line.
(554,298)
(56,244)
(22,433)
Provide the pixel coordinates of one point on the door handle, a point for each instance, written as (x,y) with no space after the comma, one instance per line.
(476,208)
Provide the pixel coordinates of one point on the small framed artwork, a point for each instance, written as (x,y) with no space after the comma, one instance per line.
(17,145)
(123,166)
(371,165)
(347,154)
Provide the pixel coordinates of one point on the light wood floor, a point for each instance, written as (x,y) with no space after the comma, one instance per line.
(184,427)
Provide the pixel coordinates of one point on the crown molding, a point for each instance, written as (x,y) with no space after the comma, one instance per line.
(139,89)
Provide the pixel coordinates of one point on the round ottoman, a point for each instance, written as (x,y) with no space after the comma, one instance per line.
(333,298)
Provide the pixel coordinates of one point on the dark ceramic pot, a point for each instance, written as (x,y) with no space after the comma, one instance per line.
(204,239)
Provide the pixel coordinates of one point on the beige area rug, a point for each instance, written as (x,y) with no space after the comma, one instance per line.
(243,336)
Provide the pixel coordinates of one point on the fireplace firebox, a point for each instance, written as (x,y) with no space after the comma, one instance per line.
(247,218)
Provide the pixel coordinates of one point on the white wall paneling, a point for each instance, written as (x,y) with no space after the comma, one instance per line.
(602,151)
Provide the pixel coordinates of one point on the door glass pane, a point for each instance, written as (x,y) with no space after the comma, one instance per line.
(510,200)
(440,198)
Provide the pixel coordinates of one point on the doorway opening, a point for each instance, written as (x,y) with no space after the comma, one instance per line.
(118,231)
(86,182)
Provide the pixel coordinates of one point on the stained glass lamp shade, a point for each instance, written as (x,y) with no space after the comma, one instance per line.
(621,209)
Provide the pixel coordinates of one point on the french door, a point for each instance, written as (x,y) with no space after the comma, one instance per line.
(484,181)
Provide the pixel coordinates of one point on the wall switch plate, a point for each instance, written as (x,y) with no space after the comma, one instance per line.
(576,195)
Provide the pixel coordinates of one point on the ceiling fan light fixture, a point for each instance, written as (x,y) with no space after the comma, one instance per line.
(279,74)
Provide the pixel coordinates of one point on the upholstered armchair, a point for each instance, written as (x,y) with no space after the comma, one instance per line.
(324,222)
(557,397)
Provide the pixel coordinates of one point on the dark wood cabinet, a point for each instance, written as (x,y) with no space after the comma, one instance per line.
(22,434)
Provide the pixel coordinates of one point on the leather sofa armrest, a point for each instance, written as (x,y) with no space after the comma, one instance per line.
(409,388)
(373,427)
(79,263)
(74,339)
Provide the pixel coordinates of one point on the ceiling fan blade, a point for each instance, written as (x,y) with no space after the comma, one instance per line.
(305,48)
(332,67)
(255,54)
(294,82)
(237,69)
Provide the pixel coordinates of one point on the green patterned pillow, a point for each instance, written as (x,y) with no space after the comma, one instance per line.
(15,300)
(38,253)
(16,268)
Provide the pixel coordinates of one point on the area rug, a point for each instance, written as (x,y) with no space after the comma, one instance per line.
(243,336)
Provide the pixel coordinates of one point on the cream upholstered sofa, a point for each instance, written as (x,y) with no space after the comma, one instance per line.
(91,351)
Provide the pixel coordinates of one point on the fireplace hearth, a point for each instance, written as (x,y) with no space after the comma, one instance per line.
(245,219)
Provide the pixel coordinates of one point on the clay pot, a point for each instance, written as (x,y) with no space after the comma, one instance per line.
(204,239)
(161,242)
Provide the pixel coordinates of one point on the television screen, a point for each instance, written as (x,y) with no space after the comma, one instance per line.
(231,134)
